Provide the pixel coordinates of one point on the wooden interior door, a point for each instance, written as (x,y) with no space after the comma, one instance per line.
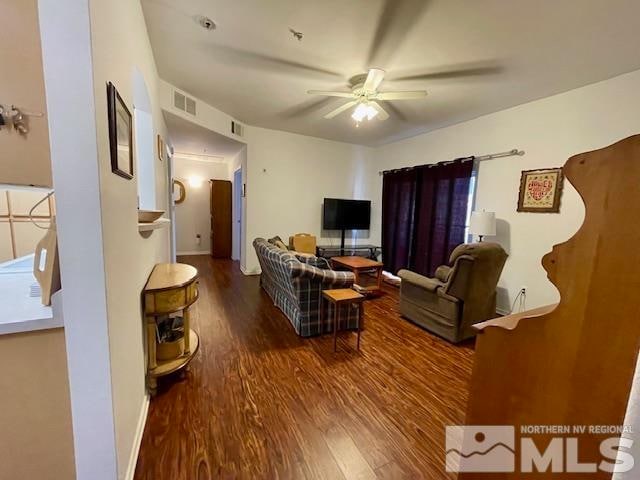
(220,209)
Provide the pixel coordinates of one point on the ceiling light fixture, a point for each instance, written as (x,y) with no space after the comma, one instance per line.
(362,111)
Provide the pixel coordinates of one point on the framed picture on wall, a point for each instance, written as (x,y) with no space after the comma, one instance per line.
(540,191)
(120,134)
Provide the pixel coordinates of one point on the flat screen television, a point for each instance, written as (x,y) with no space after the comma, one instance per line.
(339,214)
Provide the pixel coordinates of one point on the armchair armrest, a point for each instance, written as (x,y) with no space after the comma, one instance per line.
(430,284)
(442,273)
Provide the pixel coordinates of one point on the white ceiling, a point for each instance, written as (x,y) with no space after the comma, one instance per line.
(188,137)
(252,68)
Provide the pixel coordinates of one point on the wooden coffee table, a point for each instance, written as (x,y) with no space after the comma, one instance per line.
(359,265)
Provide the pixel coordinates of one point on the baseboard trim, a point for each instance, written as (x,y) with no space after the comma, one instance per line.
(137,440)
(193,252)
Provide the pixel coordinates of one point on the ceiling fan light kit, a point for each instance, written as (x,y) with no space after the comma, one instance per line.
(364,95)
(362,111)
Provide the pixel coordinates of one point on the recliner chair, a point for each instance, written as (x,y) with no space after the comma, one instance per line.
(459,296)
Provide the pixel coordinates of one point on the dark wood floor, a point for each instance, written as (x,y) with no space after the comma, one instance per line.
(262,403)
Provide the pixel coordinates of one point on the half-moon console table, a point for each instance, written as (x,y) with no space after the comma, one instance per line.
(171,288)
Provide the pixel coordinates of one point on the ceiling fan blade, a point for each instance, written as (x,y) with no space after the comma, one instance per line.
(374,79)
(382,113)
(454,71)
(341,109)
(331,94)
(401,95)
(268,63)
(306,107)
(397,18)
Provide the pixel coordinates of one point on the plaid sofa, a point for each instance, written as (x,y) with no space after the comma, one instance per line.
(295,285)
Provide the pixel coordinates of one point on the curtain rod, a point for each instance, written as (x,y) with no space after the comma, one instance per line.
(510,153)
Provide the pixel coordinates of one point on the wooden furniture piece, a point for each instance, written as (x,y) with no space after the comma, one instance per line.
(359,265)
(368,251)
(303,243)
(171,288)
(573,364)
(339,297)
(220,209)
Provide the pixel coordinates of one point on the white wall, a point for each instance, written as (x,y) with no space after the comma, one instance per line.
(121,52)
(66,42)
(288,177)
(193,215)
(549,130)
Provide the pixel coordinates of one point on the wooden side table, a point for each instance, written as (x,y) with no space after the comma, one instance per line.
(339,297)
(171,288)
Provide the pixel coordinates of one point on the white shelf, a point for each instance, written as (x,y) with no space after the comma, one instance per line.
(160,223)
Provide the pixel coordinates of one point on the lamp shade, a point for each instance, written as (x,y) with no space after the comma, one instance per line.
(483,223)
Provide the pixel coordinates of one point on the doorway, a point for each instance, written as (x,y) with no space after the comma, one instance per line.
(237,214)
(203,164)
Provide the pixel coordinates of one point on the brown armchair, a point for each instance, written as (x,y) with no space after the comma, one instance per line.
(459,296)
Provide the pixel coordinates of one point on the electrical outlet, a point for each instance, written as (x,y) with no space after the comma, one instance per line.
(523,290)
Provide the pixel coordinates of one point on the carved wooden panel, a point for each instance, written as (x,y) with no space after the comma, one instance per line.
(573,365)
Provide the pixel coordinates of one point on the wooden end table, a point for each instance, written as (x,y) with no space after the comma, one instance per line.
(339,297)
(359,265)
(171,288)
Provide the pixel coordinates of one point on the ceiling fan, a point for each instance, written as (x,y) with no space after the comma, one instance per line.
(365,97)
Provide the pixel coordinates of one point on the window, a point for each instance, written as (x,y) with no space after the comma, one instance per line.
(18,235)
(471,203)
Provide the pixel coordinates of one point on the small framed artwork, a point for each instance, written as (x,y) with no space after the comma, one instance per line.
(120,134)
(161,147)
(540,191)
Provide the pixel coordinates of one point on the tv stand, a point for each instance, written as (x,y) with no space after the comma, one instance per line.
(342,242)
(328,251)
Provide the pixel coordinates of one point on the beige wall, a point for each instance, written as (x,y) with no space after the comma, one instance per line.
(36,440)
(549,130)
(24,160)
(193,215)
(289,176)
(120,48)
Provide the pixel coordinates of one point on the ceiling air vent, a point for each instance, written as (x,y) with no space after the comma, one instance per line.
(191,106)
(184,103)
(237,128)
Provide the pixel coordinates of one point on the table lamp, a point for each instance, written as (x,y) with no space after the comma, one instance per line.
(483,224)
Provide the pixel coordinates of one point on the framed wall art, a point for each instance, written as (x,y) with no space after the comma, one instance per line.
(120,134)
(540,191)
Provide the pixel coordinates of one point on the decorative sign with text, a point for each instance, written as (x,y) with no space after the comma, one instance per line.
(540,191)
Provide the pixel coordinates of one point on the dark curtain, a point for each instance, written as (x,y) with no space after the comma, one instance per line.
(398,204)
(424,211)
(441,213)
